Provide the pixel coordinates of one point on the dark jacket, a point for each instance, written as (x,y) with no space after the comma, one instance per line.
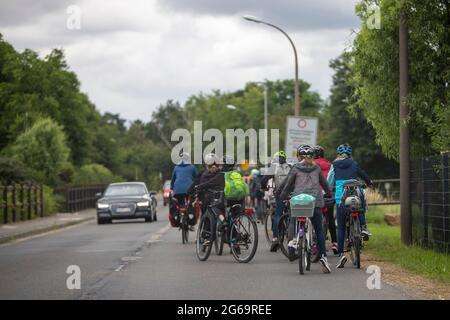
(206,183)
(182,177)
(305,179)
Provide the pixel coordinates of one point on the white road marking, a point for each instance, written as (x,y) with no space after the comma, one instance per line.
(9,227)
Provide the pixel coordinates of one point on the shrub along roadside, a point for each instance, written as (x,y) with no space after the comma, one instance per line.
(385,245)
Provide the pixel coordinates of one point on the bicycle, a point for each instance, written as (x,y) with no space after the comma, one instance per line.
(241,233)
(303,233)
(353,202)
(283,227)
(183,211)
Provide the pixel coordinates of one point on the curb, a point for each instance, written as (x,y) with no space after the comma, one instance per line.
(11,238)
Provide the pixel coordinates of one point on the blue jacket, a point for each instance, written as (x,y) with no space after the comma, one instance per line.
(343,170)
(182,177)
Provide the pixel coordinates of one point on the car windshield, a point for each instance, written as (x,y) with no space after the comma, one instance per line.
(125,190)
(166,185)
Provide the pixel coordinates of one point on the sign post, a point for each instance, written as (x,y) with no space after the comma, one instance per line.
(300,130)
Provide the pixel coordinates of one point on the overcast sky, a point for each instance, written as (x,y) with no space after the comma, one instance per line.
(132,56)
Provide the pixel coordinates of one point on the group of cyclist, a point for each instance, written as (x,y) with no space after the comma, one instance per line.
(312,175)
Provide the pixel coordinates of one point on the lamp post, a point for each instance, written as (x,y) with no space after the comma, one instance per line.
(296,89)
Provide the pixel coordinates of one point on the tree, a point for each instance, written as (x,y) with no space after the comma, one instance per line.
(341,125)
(43,149)
(376,74)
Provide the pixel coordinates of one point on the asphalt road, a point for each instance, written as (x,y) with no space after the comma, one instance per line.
(137,260)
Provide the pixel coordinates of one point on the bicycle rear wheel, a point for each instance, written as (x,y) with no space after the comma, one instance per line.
(219,242)
(355,235)
(184,230)
(205,237)
(244,238)
(302,255)
(283,227)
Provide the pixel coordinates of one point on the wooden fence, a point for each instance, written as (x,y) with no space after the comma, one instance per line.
(19,202)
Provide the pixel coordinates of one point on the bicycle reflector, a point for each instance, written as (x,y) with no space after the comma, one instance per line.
(249,211)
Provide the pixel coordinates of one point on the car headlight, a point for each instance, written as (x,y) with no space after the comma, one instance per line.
(102,205)
(143,204)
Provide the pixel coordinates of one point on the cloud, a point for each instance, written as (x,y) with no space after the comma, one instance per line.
(290,14)
(132,56)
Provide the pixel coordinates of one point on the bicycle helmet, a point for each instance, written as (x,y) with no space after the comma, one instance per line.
(305,150)
(353,204)
(279,157)
(228,163)
(319,152)
(255,172)
(211,159)
(344,148)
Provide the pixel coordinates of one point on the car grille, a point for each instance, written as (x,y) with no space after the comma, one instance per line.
(123,208)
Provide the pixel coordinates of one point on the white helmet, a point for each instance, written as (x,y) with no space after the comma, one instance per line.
(211,158)
(353,204)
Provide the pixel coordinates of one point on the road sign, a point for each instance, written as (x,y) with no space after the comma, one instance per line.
(300,130)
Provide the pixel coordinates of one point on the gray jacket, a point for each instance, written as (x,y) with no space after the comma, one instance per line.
(305,179)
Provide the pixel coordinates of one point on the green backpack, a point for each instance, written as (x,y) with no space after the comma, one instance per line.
(235,186)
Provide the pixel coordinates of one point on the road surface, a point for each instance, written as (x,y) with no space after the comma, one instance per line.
(137,260)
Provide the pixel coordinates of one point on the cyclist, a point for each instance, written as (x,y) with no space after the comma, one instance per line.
(307,177)
(278,171)
(325,165)
(343,169)
(209,183)
(255,191)
(182,179)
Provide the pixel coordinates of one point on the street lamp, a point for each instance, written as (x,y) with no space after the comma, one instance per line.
(296,90)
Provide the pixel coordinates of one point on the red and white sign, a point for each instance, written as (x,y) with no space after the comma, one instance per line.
(300,130)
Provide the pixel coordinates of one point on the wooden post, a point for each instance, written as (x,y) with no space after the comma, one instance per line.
(41,201)
(29,200)
(36,207)
(405,205)
(14,203)
(5,202)
(22,204)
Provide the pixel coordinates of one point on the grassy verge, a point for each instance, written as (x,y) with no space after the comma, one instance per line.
(385,244)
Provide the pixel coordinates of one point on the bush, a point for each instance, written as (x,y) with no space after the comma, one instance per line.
(43,150)
(13,170)
(94,174)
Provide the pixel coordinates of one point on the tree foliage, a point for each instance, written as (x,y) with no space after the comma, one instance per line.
(376,73)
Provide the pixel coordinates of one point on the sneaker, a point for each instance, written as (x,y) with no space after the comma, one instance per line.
(342,262)
(191,228)
(293,244)
(237,249)
(291,254)
(334,248)
(274,246)
(325,266)
(365,233)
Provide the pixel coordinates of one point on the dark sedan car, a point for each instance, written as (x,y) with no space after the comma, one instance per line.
(127,200)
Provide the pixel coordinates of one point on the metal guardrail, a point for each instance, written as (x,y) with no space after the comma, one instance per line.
(79,197)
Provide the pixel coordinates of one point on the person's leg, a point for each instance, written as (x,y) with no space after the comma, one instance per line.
(317,221)
(340,216)
(279,208)
(331,224)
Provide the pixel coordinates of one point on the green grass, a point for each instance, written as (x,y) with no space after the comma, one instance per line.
(385,244)
(375,214)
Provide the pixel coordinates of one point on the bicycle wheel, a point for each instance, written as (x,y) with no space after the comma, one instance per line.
(205,237)
(355,235)
(268,223)
(302,254)
(184,229)
(244,238)
(283,227)
(219,242)
(307,247)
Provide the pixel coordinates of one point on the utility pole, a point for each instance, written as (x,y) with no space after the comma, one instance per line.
(405,206)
